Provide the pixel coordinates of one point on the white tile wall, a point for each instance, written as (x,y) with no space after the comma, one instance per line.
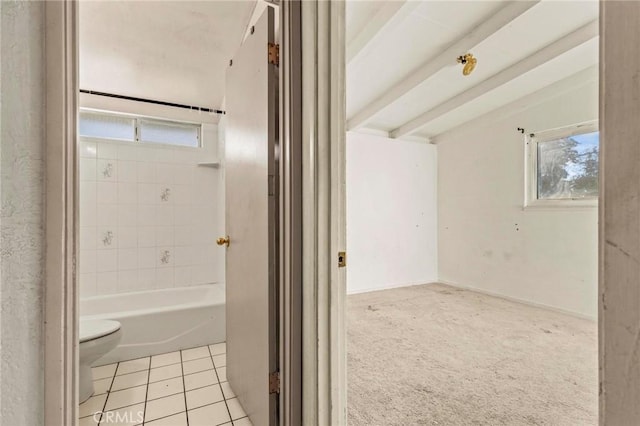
(149,217)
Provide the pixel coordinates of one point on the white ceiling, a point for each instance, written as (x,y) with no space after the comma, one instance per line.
(178,51)
(411,35)
(175,51)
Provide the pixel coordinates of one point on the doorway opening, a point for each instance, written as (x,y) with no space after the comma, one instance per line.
(178,221)
(472,193)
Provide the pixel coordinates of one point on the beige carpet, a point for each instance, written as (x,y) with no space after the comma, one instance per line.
(437,355)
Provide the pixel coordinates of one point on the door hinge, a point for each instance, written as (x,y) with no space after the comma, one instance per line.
(274,382)
(342,259)
(274,54)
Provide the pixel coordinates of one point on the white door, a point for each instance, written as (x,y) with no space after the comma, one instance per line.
(251,105)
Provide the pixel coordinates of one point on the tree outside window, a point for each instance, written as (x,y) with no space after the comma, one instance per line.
(567,168)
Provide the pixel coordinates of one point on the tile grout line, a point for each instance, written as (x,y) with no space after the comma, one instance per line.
(168,378)
(224,398)
(118,367)
(184,389)
(173,363)
(174,414)
(168,415)
(127,406)
(164,396)
(104,406)
(146,393)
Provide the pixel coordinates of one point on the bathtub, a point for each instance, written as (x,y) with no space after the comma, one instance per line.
(160,321)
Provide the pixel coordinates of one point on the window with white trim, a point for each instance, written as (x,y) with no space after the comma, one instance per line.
(122,127)
(563,166)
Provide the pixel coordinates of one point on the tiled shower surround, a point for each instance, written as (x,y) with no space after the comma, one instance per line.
(149,216)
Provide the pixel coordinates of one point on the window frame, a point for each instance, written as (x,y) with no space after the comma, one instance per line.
(137,119)
(532,141)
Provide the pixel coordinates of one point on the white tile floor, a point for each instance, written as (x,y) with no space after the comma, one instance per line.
(184,388)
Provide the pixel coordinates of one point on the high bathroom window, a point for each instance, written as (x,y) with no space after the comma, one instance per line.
(107,126)
(563,166)
(121,127)
(166,132)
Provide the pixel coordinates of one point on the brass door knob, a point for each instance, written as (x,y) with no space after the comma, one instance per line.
(223,241)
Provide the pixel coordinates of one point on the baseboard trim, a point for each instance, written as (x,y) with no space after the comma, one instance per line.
(389,287)
(518,300)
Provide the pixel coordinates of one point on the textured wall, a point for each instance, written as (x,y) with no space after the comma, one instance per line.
(21,221)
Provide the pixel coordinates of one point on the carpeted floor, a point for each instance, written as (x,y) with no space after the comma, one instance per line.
(437,355)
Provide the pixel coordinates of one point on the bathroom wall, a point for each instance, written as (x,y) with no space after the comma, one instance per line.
(22,212)
(149,216)
(391,213)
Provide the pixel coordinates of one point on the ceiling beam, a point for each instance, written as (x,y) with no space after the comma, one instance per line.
(542,56)
(587,78)
(445,58)
(385,134)
(398,9)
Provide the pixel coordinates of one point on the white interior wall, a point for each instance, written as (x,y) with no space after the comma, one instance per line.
(391,213)
(132,238)
(486,240)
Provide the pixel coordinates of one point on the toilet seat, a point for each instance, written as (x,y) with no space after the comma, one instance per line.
(95,329)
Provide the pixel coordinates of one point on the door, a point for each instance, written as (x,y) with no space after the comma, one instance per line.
(250,202)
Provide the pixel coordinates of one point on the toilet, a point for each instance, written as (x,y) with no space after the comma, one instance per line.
(97,337)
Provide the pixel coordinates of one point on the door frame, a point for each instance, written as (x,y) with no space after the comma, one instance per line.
(61,286)
(61,238)
(618,234)
(290,199)
(323,212)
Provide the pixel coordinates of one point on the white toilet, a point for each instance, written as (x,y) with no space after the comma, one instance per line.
(97,337)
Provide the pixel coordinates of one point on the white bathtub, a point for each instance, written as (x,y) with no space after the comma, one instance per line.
(160,321)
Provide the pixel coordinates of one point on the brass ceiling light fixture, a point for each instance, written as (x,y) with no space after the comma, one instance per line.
(469,63)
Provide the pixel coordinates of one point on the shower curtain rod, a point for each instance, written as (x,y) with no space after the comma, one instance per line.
(152,101)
